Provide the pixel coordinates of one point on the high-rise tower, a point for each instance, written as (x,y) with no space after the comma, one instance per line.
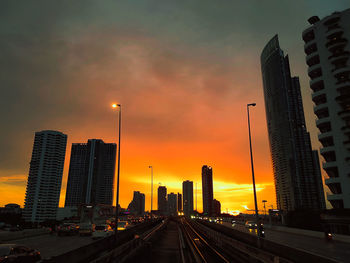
(187,195)
(45,176)
(327,55)
(162,202)
(207,189)
(91,173)
(296,180)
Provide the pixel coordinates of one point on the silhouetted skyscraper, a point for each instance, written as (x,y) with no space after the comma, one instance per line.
(207,189)
(292,161)
(91,173)
(45,176)
(187,193)
(162,202)
(137,205)
(172,204)
(179,202)
(216,208)
(327,55)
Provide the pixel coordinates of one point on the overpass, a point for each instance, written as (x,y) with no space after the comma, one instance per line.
(183,240)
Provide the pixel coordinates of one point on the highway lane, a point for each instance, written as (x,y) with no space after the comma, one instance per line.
(52,245)
(319,246)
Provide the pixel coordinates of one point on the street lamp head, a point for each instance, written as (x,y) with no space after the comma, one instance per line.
(114,105)
(150,166)
(251,104)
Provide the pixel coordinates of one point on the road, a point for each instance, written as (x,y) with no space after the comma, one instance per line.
(52,245)
(319,246)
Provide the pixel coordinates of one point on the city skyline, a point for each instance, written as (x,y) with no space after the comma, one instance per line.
(211,75)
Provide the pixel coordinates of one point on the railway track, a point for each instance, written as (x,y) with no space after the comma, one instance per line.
(199,247)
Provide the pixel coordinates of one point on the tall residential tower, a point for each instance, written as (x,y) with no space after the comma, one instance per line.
(327,48)
(207,190)
(187,196)
(45,176)
(296,180)
(91,173)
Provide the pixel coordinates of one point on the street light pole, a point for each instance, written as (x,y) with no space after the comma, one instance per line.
(151,188)
(252,165)
(118,169)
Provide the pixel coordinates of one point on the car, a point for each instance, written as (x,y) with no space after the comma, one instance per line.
(18,254)
(250,225)
(67,229)
(85,229)
(102,231)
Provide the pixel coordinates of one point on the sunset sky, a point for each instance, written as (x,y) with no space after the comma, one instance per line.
(182,70)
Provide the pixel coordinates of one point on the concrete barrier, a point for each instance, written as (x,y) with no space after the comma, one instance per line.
(289,253)
(305,232)
(91,251)
(8,235)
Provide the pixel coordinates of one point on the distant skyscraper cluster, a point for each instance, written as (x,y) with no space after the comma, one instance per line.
(327,55)
(45,176)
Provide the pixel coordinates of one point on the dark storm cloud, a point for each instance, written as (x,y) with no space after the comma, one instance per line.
(46,46)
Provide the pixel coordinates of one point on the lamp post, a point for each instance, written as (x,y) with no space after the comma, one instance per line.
(252,164)
(264,201)
(118,169)
(151,167)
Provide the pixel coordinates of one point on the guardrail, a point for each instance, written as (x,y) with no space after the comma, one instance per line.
(133,250)
(98,248)
(243,252)
(284,252)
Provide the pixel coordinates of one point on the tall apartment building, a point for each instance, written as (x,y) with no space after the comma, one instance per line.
(216,208)
(327,48)
(207,189)
(162,202)
(91,173)
(179,202)
(45,176)
(137,205)
(187,196)
(172,204)
(296,180)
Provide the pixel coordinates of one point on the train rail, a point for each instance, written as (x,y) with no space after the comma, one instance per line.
(202,250)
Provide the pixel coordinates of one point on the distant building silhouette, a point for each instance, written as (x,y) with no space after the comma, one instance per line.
(172,204)
(137,205)
(162,202)
(327,55)
(216,208)
(45,176)
(187,193)
(91,173)
(179,202)
(207,189)
(296,180)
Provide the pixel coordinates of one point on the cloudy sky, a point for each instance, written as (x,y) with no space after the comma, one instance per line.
(183,71)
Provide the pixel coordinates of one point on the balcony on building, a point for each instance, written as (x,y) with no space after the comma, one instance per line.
(327,141)
(316,85)
(331,168)
(335,187)
(321,111)
(328,153)
(319,98)
(336,201)
(310,48)
(314,71)
(335,38)
(313,60)
(342,76)
(308,35)
(338,51)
